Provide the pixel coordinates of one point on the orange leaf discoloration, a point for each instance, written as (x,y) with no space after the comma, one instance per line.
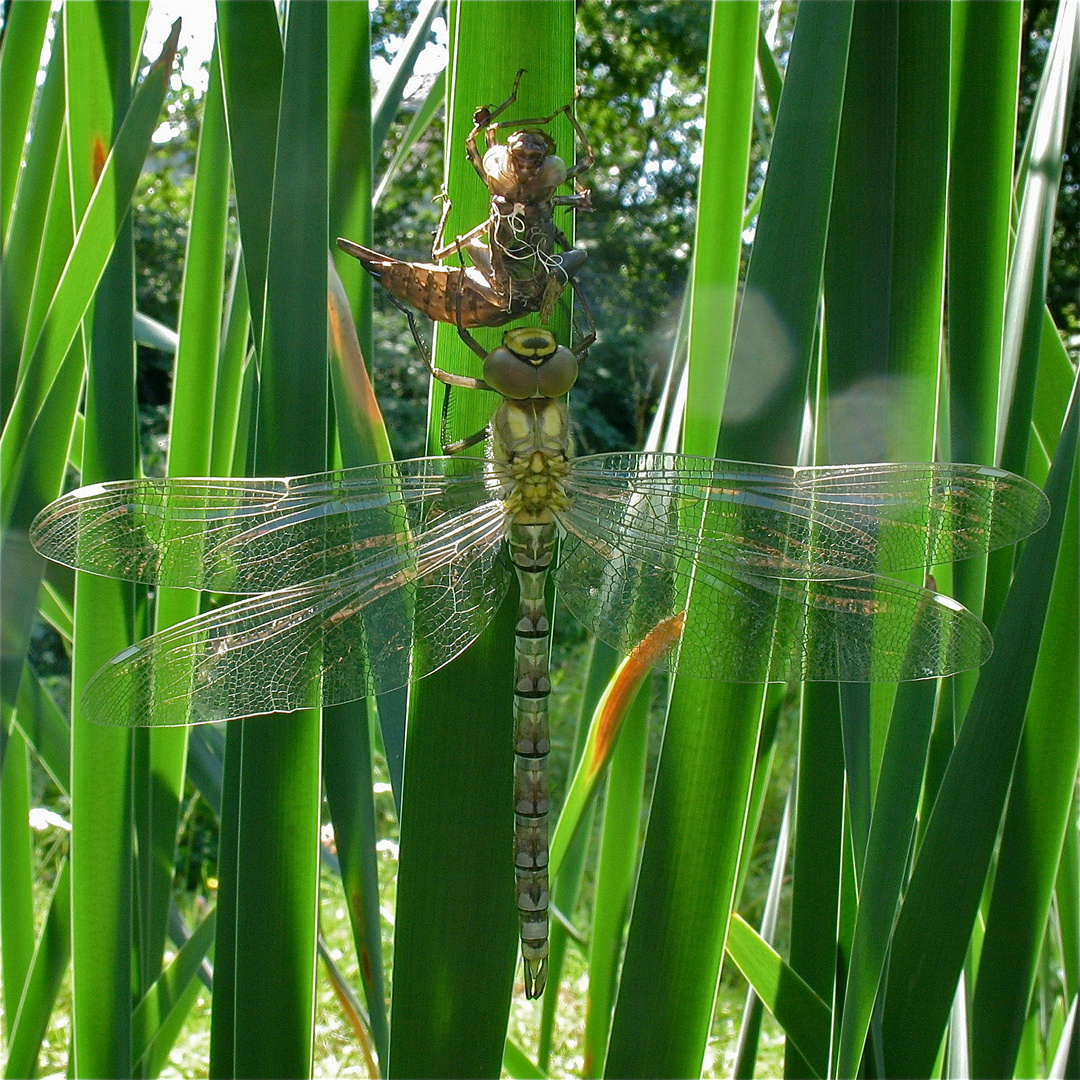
(629,678)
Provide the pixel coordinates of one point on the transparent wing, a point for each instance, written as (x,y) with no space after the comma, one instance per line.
(319,643)
(250,536)
(799,522)
(746,627)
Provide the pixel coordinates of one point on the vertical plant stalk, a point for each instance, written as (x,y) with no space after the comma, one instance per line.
(270,872)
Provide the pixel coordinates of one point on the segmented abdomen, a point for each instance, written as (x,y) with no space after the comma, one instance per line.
(531,550)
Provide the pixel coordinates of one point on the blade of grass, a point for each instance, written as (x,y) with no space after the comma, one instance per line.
(1040,798)
(567,879)
(387,104)
(689,866)
(771,79)
(190,450)
(24,35)
(47,451)
(986,61)
(616,702)
(48,734)
(433,101)
(350,154)
(250,53)
(455,945)
(24,231)
(16,862)
(1051,398)
(270,881)
(231,371)
(970,802)
(1067,900)
(52,950)
(820,827)
(802,1014)
(98,56)
(884,297)
(892,829)
(249,40)
(517,1064)
(1034,231)
(729,106)
(347,759)
(159,1016)
(750,1022)
(155,334)
(347,729)
(615,874)
(1040,176)
(85,266)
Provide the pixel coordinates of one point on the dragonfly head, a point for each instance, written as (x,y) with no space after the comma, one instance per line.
(530,363)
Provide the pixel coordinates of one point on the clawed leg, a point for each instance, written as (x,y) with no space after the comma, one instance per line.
(439,248)
(537,121)
(449,380)
(482,117)
(582,347)
(447,377)
(459,243)
(459,444)
(580,200)
(588,160)
(437,239)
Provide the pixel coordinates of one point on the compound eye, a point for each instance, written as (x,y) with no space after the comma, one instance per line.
(510,375)
(557,374)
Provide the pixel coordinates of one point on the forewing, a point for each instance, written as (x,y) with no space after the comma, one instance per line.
(320,643)
(789,522)
(745,627)
(257,535)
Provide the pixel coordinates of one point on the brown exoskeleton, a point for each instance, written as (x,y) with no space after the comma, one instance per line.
(522,176)
(515,269)
(465,295)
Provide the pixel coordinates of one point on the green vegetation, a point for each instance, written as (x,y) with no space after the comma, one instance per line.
(857,225)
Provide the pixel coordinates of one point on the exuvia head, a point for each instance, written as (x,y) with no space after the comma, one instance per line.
(530,147)
(530,363)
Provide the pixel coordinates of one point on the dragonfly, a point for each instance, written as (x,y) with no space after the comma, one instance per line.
(359,581)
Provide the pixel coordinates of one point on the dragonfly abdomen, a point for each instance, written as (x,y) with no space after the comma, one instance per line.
(531,550)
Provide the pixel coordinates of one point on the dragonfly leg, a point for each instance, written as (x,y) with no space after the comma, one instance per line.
(447,377)
(491,133)
(531,550)
(461,444)
(582,347)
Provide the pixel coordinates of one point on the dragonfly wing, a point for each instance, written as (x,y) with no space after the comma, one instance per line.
(802,522)
(320,643)
(748,627)
(254,535)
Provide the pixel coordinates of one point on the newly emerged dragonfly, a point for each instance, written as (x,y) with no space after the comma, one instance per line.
(362,580)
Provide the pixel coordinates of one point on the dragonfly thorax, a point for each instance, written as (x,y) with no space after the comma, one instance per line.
(531,440)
